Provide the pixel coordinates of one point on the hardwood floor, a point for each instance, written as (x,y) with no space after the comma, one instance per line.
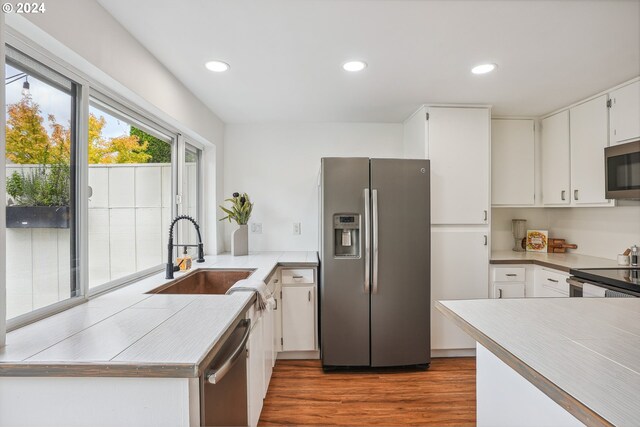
(300,393)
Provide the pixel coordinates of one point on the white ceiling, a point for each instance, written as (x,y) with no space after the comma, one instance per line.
(286,55)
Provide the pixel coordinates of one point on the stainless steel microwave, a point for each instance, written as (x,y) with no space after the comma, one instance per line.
(622,176)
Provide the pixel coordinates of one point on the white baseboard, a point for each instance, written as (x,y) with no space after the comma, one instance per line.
(462,352)
(299,355)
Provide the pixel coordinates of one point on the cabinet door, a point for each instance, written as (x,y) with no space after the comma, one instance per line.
(625,114)
(298,318)
(508,290)
(589,137)
(268,324)
(459,270)
(458,148)
(512,162)
(255,386)
(556,174)
(277,314)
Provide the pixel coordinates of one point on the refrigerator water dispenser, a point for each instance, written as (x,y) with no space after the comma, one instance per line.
(346,230)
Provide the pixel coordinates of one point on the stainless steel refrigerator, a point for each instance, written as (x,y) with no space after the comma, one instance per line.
(375,295)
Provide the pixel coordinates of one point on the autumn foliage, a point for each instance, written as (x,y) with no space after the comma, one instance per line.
(28,141)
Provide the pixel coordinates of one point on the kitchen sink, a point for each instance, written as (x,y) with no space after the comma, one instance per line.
(207,281)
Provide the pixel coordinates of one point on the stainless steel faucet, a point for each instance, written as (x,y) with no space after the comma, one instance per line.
(170,267)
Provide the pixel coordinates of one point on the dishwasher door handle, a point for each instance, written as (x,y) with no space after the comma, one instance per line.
(216,376)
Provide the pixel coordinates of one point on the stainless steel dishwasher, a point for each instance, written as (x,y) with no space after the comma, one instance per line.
(223,386)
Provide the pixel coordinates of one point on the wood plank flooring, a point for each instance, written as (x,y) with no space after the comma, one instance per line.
(300,393)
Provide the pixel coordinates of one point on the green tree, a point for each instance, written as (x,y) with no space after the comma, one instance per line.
(158,150)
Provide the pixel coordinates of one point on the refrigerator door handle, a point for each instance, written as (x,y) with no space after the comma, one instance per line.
(374,220)
(367,244)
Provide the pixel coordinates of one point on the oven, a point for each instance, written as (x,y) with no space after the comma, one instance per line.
(622,176)
(586,289)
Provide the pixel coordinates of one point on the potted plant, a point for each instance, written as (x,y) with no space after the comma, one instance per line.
(240,212)
(39,197)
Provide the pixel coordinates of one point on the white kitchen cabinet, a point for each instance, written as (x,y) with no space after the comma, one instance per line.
(277,336)
(298,317)
(507,290)
(459,270)
(458,147)
(512,162)
(550,283)
(624,114)
(556,175)
(268,325)
(589,137)
(508,282)
(255,386)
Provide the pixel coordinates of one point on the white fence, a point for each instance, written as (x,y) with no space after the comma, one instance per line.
(129,215)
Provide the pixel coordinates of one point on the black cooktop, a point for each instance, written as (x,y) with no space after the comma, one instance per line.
(622,277)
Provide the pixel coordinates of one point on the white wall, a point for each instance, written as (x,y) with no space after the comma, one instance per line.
(279,164)
(86,36)
(601,232)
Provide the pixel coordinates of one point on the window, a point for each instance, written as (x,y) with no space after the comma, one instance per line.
(40,168)
(190,193)
(91,188)
(130,203)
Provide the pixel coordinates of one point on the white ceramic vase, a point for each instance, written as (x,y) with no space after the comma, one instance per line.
(240,241)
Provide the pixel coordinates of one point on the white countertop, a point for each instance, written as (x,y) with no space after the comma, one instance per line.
(563,262)
(150,334)
(588,349)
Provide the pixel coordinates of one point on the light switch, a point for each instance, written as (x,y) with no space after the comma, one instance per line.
(296,228)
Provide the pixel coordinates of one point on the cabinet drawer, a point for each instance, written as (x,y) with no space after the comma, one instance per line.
(554,280)
(509,274)
(297,275)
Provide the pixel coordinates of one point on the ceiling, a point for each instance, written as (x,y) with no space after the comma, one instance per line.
(286,55)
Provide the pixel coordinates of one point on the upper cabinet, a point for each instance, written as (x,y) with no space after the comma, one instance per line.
(589,137)
(512,162)
(458,147)
(624,114)
(556,176)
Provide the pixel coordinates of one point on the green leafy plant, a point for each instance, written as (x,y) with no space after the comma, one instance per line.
(41,186)
(240,210)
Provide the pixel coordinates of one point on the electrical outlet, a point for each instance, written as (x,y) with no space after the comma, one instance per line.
(256,227)
(296,228)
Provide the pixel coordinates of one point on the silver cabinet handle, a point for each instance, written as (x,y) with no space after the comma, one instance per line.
(485,215)
(499,293)
(562,194)
(552,280)
(486,240)
(217,375)
(297,277)
(511,275)
(276,300)
(575,194)
(374,220)
(309,296)
(367,244)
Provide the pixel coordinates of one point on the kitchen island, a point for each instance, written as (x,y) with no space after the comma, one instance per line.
(554,361)
(128,357)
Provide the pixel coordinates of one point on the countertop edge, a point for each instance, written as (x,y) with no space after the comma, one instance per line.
(531,261)
(576,408)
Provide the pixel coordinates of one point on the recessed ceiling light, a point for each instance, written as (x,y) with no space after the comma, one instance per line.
(354,66)
(483,68)
(217,66)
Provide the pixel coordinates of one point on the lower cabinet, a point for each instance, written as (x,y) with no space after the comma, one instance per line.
(298,318)
(256,376)
(459,270)
(507,290)
(549,283)
(268,326)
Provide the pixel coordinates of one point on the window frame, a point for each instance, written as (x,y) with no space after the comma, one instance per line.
(134,116)
(87,88)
